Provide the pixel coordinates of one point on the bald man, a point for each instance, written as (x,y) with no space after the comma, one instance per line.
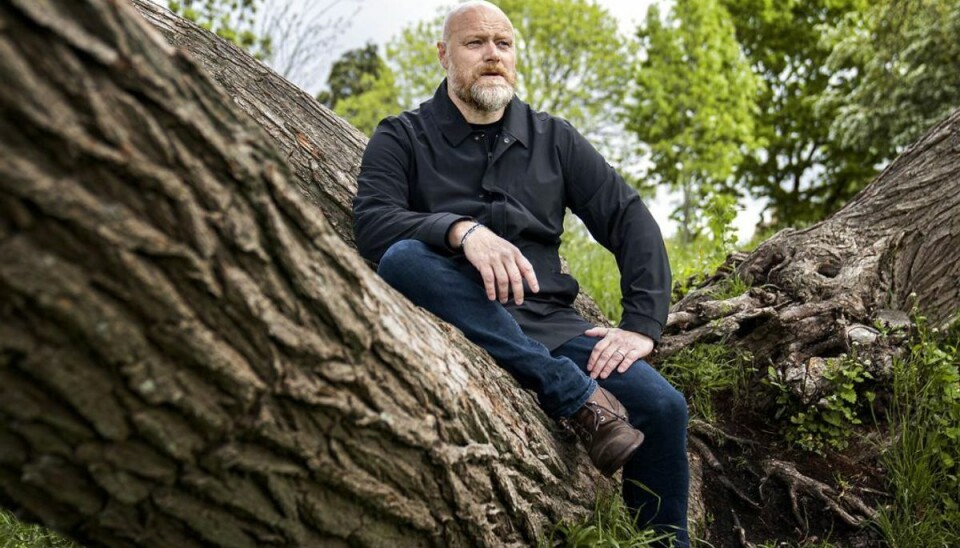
(461,204)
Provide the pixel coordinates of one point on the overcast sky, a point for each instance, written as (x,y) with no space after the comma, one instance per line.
(379,20)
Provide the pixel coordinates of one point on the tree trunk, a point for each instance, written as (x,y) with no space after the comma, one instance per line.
(189,352)
(818,296)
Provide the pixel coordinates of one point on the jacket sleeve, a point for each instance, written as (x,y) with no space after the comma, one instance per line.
(381,209)
(618,220)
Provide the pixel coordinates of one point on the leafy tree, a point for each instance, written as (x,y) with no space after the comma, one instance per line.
(378,100)
(910,57)
(694,104)
(800,170)
(362,88)
(352,74)
(231,19)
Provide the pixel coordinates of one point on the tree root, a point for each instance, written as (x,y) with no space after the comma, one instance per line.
(702,427)
(714,463)
(741,532)
(848,507)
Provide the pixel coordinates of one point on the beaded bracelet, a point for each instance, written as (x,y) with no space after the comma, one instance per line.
(467,233)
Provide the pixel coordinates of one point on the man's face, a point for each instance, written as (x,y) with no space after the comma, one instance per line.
(479,58)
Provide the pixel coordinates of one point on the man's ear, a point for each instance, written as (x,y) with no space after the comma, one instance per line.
(442,54)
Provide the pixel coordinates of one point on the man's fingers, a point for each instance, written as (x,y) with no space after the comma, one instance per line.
(526,270)
(516,283)
(595,356)
(489,282)
(503,282)
(631,358)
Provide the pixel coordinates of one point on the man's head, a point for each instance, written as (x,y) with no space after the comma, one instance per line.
(477,51)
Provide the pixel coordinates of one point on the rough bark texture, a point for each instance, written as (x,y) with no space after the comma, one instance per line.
(815,296)
(189,352)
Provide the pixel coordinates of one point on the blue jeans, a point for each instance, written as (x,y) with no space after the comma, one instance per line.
(656,479)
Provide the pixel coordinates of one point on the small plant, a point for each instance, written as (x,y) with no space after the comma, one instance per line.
(16,534)
(701,371)
(922,467)
(730,287)
(611,525)
(830,422)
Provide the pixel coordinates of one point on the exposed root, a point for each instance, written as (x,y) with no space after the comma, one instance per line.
(741,532)
(702,427)
(848,507)
(714,463)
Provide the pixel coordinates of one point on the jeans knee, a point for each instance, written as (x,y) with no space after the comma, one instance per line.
(671,411)
(400,258)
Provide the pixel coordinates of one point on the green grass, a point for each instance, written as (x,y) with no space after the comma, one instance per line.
(596,268)
(610,526)
(702,371)
(922,467)
(17,534)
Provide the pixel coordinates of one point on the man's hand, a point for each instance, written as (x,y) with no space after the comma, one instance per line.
(618,350)
(500,263)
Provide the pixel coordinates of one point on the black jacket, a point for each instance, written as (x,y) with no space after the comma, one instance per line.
(426,169)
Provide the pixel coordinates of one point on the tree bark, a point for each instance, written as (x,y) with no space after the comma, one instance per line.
(192,353)
(815,296)
(189,352)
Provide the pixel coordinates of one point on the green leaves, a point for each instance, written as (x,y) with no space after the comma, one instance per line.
(694,103)
(232,20)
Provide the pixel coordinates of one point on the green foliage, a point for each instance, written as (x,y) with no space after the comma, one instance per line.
(694,104)
(352,74)
(910,74)
(922,467)
(378,101)
(232,20)
(730,287)
(800,170)
(16,534)
(703,371)
(693,262)
(829,422)
(362,89)
(610,526)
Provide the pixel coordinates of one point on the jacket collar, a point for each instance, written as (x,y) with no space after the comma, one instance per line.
(455,127)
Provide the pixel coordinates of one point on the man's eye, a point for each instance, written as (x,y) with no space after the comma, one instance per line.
(504,44)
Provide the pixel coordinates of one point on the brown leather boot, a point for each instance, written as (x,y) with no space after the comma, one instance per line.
(602,426)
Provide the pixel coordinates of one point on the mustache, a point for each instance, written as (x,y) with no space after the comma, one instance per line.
(493,69)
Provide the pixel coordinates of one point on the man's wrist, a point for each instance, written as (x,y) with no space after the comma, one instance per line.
(456,231)
(471,230)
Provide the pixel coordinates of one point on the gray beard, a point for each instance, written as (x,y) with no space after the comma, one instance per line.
(490,98)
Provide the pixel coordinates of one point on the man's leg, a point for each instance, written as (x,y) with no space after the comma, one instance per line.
(656,480)
(452,289)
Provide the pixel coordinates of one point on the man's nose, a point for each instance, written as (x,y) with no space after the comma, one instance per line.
(491,52)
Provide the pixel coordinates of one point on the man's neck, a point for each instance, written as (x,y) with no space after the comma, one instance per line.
(473,115)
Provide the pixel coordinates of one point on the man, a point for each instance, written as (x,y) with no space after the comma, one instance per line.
(461,203)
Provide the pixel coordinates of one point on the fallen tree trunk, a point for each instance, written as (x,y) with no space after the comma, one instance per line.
(189,354)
